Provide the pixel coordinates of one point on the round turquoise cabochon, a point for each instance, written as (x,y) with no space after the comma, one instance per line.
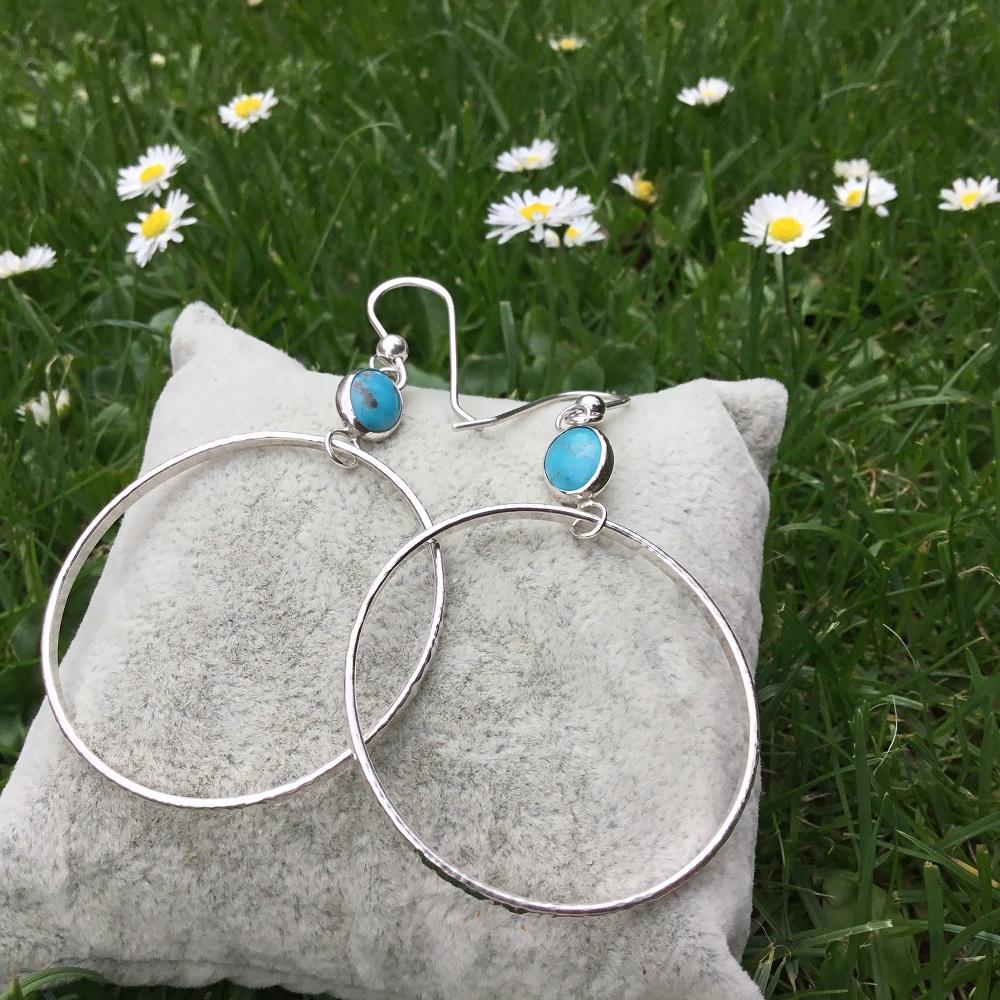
(574,459)
(376,401)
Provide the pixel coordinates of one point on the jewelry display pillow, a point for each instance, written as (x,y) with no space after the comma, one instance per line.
(578,735)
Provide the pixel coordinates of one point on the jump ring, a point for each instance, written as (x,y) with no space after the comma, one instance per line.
(566,419)
(338,452)
(594,507)
(393,368)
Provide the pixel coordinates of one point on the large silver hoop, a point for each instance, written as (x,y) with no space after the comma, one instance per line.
(710,612)
(131,494)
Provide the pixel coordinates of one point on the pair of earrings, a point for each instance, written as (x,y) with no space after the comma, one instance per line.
(577,465)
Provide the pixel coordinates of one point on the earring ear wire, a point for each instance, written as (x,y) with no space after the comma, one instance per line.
(468,421)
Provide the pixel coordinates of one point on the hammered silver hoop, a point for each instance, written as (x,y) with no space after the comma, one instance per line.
(93,533)
(709,611)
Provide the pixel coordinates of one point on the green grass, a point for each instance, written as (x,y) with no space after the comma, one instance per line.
(878,863)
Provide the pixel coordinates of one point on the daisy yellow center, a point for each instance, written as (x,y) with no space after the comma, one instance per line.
(536,208)
(785,229)
(531,158)
(151,172)
(572,232)
(968,198)
(644,190)
(709,93)
(567,44)
(155,223)
(246,107)
(854,197)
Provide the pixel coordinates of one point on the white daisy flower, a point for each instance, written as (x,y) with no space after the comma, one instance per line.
(537,156)
(582,231)
(578,232)
(520,212)
(242,111)
(40,408)
(851,168)
(35,258)
(710,90)
(10,264)
(157,59)
(158,227)
(567,43)
(786,222)
(638,187)
(38,257)
(963,196)
(875,190)
(152,173)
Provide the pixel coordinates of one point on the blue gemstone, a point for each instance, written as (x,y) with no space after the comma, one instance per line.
(574,459)
(376,401)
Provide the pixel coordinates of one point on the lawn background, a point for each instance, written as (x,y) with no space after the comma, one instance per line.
(878,872)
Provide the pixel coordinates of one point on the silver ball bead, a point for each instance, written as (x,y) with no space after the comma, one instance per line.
(591,408)
(391,347)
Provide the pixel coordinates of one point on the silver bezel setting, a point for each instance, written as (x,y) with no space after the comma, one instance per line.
(350,418)
(600,478)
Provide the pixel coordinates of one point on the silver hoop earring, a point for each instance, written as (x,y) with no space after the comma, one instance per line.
(578,465)
(370,403)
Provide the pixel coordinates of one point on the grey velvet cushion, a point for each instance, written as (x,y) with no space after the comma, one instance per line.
(577,736)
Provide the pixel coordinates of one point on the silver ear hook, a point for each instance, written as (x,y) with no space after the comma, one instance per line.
(611,399)
(430,286)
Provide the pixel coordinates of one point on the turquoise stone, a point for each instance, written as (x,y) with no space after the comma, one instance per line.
(376,401)
(574,459)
